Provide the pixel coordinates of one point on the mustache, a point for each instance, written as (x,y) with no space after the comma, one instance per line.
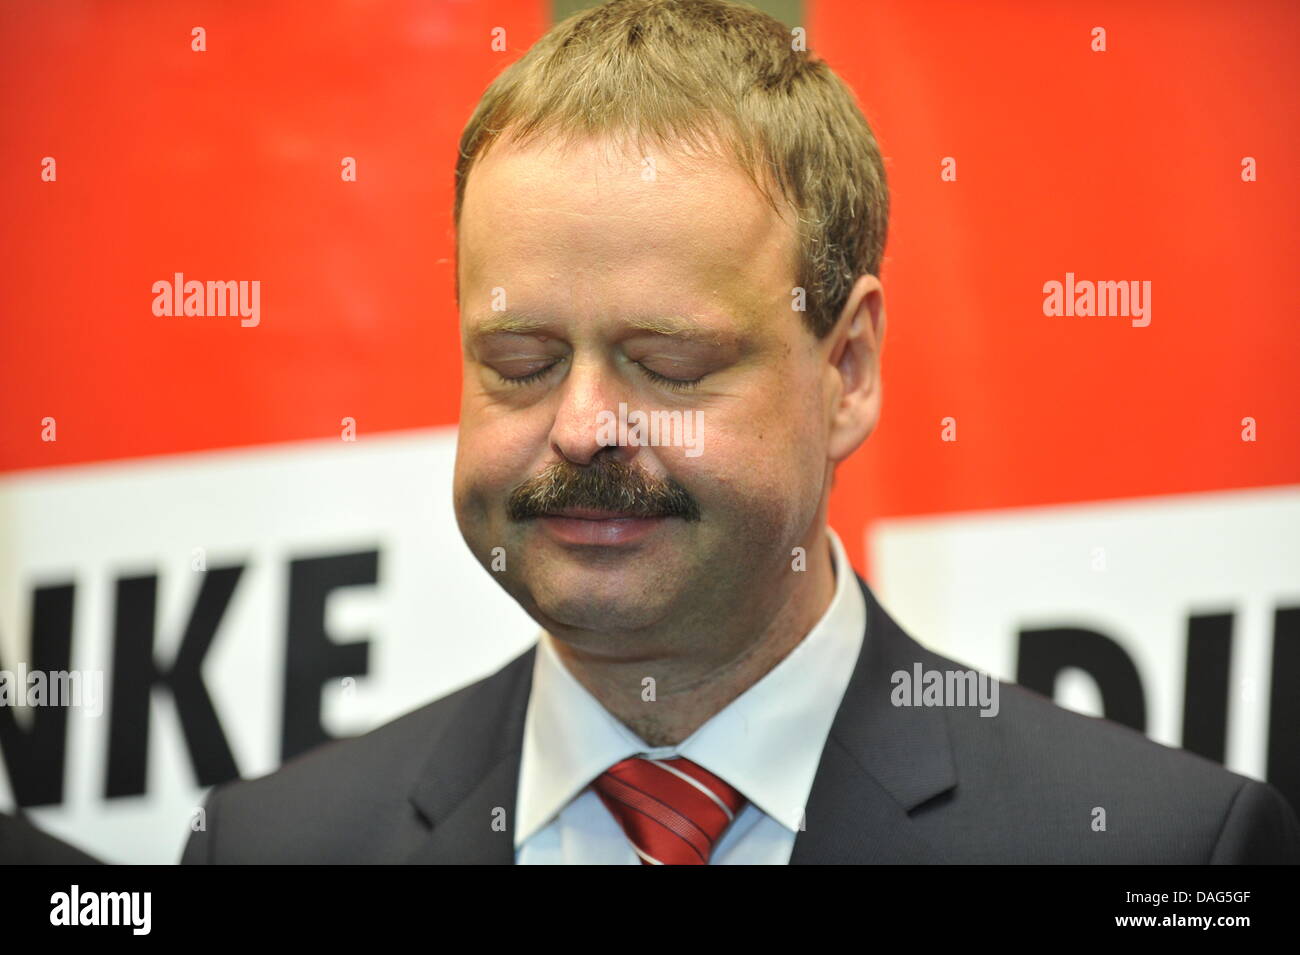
(606,484)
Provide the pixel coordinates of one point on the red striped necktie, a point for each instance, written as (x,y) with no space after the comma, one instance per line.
(673,810)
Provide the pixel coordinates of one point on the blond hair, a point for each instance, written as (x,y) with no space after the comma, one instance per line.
(706,71)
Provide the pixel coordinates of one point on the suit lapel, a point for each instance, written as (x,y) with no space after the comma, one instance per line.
(472,778)
(880,761)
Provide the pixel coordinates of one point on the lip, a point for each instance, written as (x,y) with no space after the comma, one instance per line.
(600,528)
(590,514)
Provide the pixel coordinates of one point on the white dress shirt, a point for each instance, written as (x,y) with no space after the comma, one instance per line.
(767,743)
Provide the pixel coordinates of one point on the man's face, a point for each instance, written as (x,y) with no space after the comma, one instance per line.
(616,276)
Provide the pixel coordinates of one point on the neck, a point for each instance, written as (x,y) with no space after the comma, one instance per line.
(691,687)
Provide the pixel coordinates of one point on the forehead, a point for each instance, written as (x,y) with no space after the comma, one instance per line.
(595,223)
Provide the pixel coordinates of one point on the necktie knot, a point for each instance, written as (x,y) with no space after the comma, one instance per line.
(673,810)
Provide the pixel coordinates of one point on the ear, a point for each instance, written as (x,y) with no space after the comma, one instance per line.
(854,368)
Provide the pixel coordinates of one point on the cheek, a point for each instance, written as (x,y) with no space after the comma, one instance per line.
(486,471)
(485,465)
(769,459)
(740,473)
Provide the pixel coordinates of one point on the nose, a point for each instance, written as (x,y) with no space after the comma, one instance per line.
(591,393)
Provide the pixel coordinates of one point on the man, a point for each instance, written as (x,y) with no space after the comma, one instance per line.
(670,225)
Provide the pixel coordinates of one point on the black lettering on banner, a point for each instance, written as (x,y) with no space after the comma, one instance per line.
(34,758)
(311,657)
(136,672)
(1043,654)
(1205,695)
(1284,706)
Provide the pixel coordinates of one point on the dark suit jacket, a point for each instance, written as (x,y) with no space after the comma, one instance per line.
(895,784)
(22,843)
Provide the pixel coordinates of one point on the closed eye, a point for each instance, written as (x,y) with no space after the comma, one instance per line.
(529,378)
(673,384)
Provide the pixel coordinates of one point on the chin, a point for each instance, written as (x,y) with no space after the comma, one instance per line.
(583,601)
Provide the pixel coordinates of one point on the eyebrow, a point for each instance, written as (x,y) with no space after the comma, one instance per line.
(522,323)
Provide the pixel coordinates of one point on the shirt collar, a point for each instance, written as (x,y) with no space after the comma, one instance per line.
(767,742)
